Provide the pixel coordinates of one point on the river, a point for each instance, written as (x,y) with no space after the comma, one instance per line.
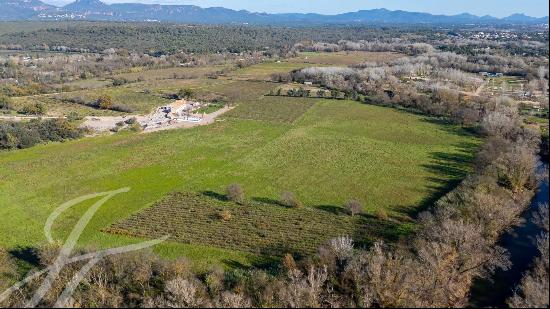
(520,244)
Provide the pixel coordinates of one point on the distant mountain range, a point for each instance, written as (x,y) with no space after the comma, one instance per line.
(97,10)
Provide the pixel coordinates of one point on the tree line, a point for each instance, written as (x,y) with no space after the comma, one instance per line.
(19,135)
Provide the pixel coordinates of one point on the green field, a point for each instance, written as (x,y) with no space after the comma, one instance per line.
(171,73)
(263,71)
(211,108)
(325,151)
(278,109)
(344,57)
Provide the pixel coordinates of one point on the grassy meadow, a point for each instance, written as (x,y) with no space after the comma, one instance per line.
(142,74)
(337,150)
(325,151)
(263,71)
(344,57)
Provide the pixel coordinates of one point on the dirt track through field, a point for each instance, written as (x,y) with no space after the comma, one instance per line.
(476,93)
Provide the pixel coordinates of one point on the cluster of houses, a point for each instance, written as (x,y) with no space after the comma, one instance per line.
(489,74)
(498,35)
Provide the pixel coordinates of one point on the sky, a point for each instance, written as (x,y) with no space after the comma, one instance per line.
(497,8)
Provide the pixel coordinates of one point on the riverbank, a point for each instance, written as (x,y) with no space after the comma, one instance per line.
(519,242)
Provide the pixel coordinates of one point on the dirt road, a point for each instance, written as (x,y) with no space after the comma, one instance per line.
(475,93)
(106,123)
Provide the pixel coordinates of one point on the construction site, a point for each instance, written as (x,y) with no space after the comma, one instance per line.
(178,111)
(178,114)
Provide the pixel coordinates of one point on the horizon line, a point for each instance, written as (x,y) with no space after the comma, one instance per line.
(59,5)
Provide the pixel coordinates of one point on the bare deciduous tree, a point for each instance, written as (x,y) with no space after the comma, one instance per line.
(354,207)
(289,199)
(235,193)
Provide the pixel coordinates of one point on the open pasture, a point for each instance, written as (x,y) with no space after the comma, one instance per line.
(343,58)
(325,151)
(171,73)
(92,83)
(263,71)
(335,151)
(277,109)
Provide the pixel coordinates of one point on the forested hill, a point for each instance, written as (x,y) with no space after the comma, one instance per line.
(97,10)
(168,38)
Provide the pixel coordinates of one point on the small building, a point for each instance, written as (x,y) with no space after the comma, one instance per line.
(488,74)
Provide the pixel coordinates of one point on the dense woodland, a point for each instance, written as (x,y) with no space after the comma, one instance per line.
(157,39)
(166,39)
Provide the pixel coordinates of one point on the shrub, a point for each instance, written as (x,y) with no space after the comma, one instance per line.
(5,102)
(290,200)
(74,116)
(130,120)
(77,100)
(122,108)
(288,262)
(225,215)
(185,93)
(341,247)
(104,102)
(214,280)
(354,207)
(84,75)
(8,269)
(135,127)
(281,77)
(321,93)
(381,214)
(119,81)
(235,193)
(33,109)
(8,140)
